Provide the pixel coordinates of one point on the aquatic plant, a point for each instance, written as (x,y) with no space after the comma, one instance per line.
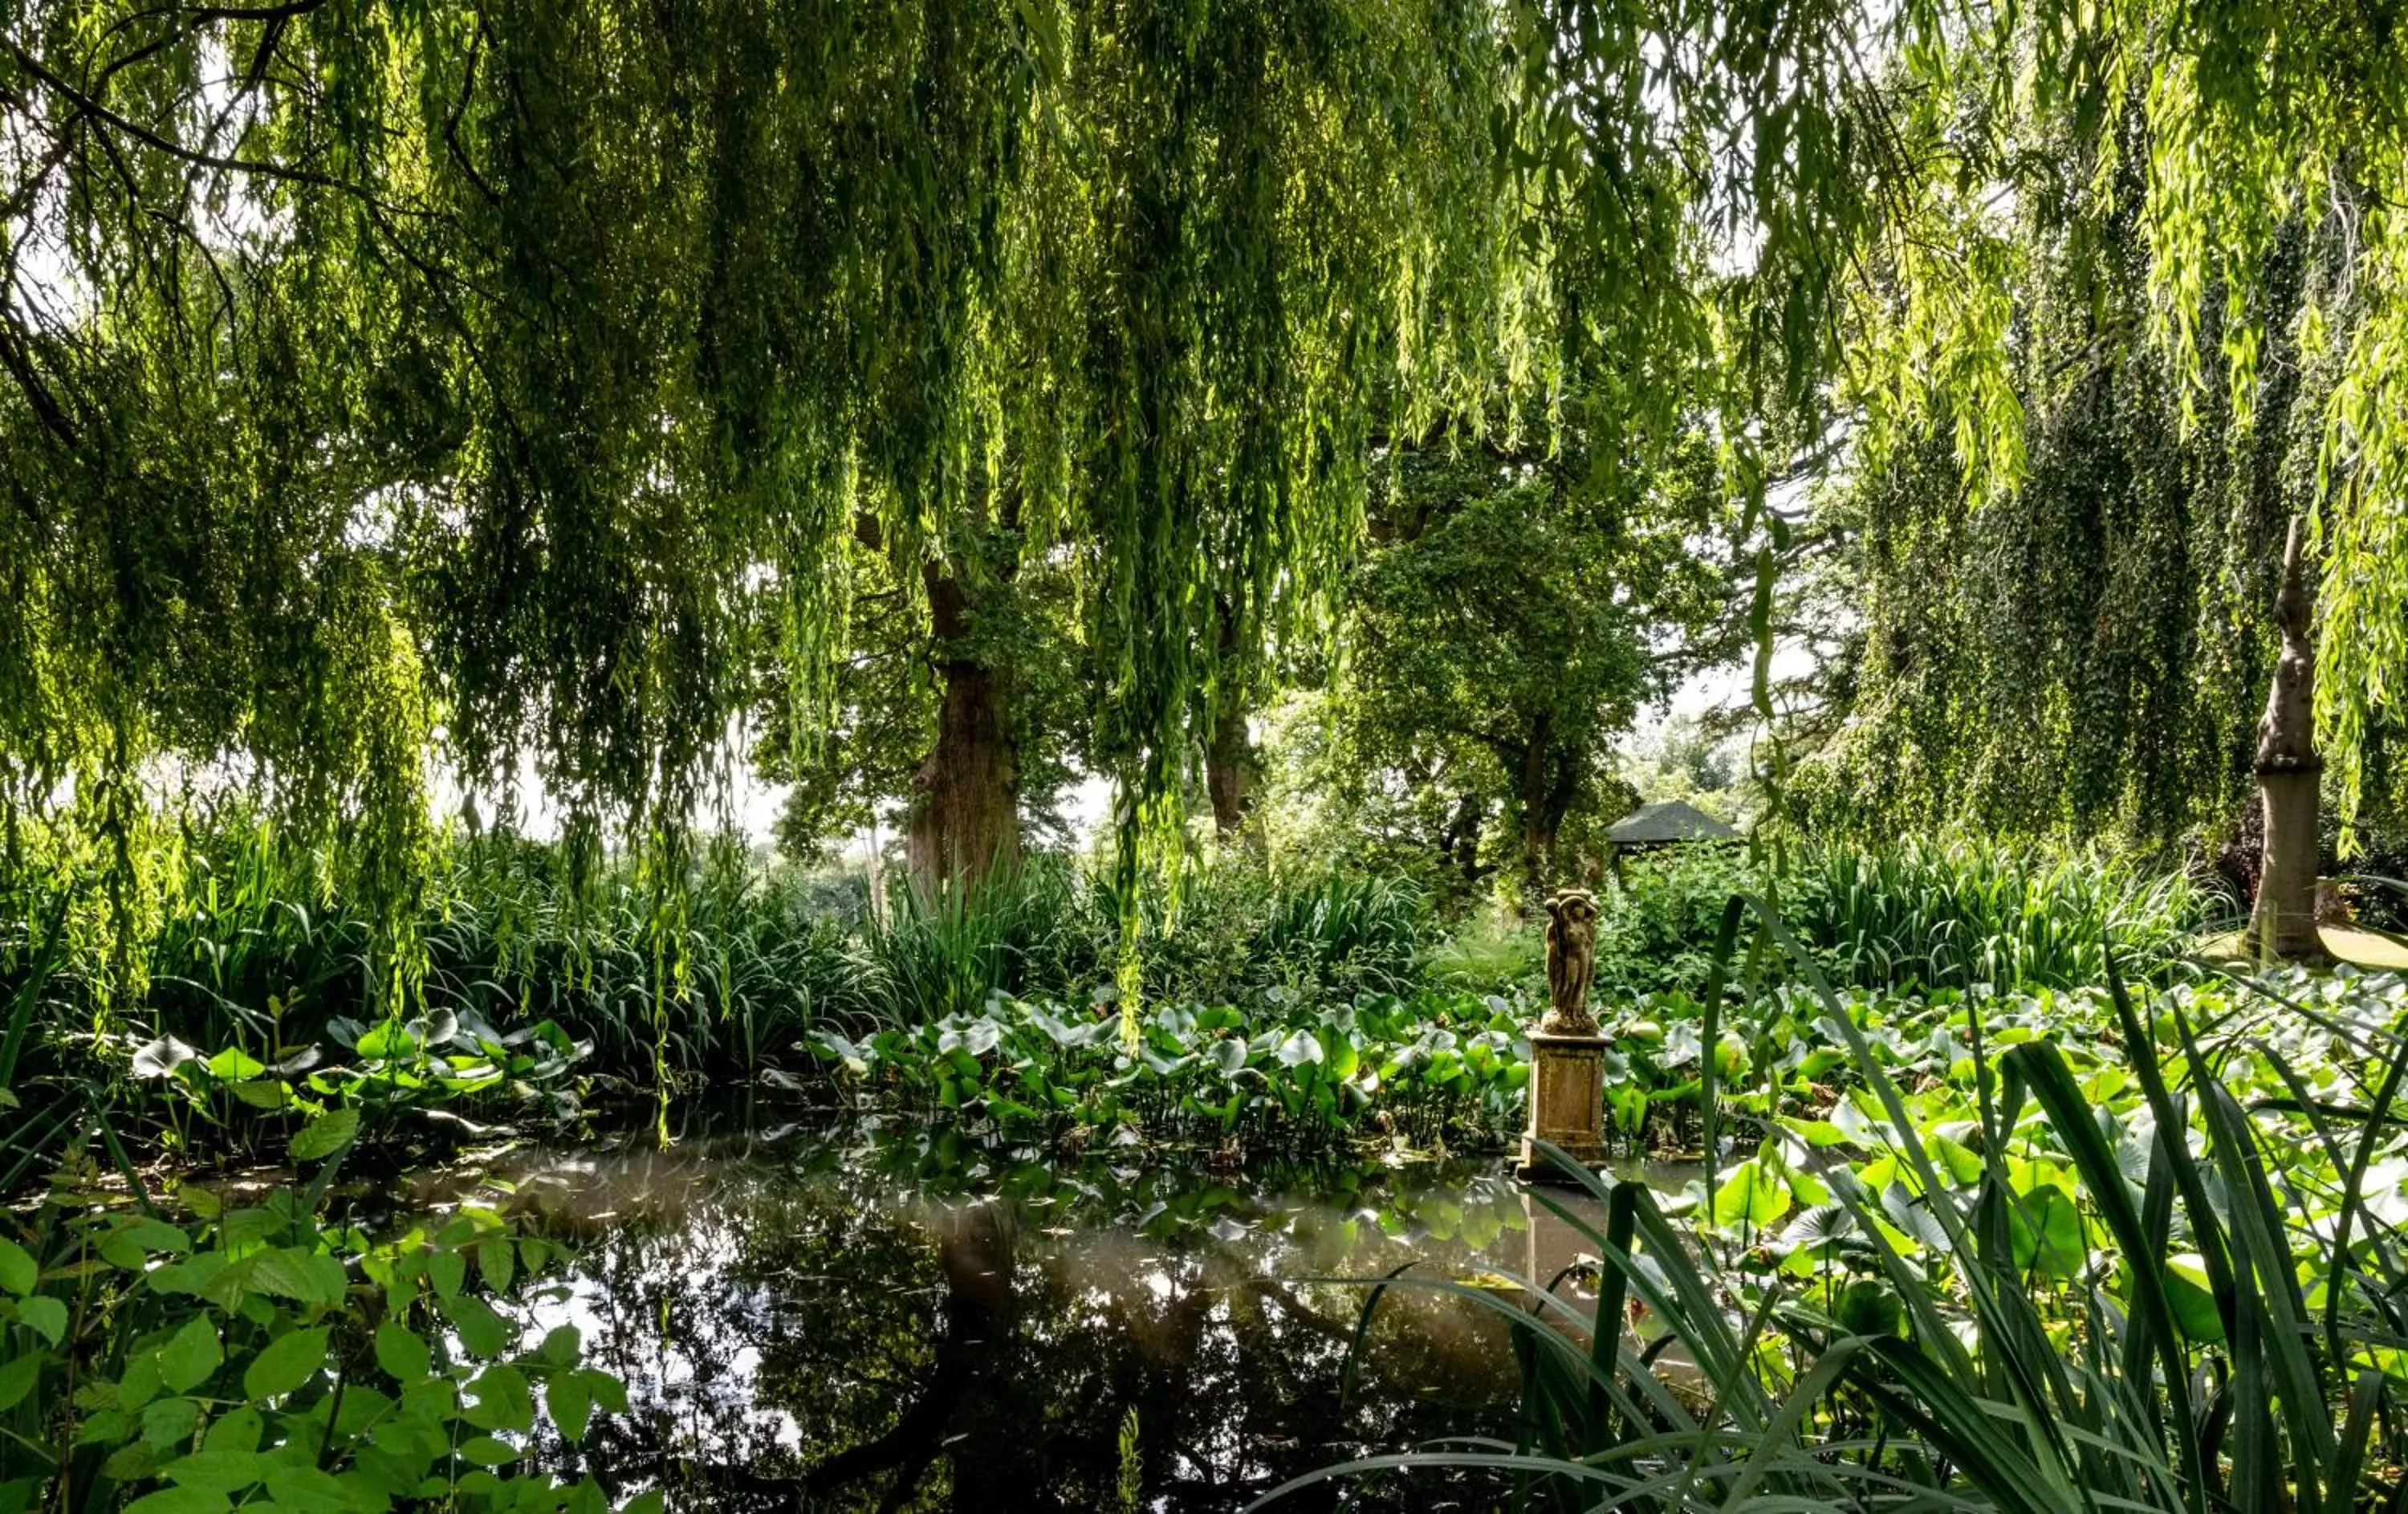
(2153,1265)
(189,1353)
(1257,1076)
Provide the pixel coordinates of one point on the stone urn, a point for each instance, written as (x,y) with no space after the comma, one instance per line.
(1567,1052)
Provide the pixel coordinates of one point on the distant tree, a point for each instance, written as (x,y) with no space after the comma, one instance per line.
(1515,613)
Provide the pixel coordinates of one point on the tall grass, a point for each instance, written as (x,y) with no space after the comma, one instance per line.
(248,947)
(1914,914)
(1952,914)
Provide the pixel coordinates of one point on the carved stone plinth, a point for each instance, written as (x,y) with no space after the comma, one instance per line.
(1566,1104)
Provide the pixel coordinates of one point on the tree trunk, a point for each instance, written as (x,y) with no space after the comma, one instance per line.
(965,819)
(2282,924)
(1230,768)
(1459,845)
(1539,819)
(1229,771)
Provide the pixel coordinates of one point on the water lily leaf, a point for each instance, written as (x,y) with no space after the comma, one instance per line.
(2194,1306)
(1299,1048)
(1230,1055)
(388,1040)
(1754,1196)
(2047,1233)
(235,1065)
(1868,1307)
(161,1058)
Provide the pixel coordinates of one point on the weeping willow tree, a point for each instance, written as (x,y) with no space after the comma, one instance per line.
(2153,306)
(394,384)
(2085,651)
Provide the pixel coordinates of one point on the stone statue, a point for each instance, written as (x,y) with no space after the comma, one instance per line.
(1571,962)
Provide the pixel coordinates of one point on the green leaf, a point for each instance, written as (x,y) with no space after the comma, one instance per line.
(1868,1307)
(191,1356)
(402,1354)
(289,1272)
(216,1471)
(327,1134)
(236,1430)
(290,1360)
(571,1404)
(235,1065)
(2047,1232)
(494,1261)
(486,1452)
(18,1273)
(170,1422)
(447,1271)
(162,1056)
(265,1093)
(179,1500)
(306,1490)
(500,1400)
(46,1318)
(134,1462)
(482,1331)
(2187,1296)
(561,1344)
(17,1378)
(1752,1196)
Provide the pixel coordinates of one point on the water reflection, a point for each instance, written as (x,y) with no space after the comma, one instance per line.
(829,1317)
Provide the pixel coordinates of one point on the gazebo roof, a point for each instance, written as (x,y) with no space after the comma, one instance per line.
(1664,823)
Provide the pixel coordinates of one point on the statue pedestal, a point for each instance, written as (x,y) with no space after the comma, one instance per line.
(1566,1104)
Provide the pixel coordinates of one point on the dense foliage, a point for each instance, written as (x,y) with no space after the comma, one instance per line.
(268,1355)
(2029,1257)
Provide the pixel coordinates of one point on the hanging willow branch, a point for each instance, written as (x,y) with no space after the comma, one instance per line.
(429,382)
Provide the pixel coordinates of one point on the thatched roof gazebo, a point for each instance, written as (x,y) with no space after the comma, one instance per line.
(1651,828)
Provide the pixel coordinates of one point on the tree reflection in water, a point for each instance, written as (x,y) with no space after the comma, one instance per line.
(835,1319)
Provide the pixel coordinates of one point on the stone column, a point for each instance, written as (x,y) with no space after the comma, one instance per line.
(1567,1052)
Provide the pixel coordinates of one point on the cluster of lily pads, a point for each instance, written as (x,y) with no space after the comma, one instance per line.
(1438,1067)
(440,1059)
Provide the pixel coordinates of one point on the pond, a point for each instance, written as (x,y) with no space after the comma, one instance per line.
(837,1313)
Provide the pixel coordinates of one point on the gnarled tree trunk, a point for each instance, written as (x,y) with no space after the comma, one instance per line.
(2282,924)
(965,818)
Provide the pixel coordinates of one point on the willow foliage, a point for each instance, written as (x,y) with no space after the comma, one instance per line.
(2176,223)
(394,379)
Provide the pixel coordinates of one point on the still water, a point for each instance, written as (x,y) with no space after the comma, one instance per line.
(836,1314)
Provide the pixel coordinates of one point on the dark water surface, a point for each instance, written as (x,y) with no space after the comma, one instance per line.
(826,1314)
